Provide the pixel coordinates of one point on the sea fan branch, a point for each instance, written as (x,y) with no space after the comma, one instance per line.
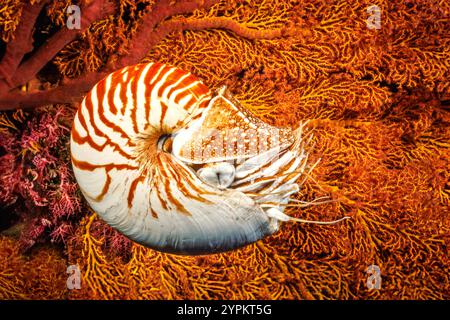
(45,53)
(19,46)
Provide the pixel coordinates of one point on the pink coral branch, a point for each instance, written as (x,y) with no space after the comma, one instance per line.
(20,45)
(152,30)
(70,92)
(231,25)
(27,70)
(147,34)
(73,90)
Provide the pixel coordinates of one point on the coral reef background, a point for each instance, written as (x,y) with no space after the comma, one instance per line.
(378,104)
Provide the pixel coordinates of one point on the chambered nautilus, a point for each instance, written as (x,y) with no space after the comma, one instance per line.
(178,168)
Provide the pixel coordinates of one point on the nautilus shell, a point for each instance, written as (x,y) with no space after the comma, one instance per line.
(178,168)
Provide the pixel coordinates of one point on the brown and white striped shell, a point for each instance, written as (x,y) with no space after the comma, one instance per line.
(179,169)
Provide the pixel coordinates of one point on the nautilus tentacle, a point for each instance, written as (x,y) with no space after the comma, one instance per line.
(178,168)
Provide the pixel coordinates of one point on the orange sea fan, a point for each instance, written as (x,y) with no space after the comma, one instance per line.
(9,18)
(377,101)
(40,275)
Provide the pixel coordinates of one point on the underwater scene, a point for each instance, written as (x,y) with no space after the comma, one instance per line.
(224,150)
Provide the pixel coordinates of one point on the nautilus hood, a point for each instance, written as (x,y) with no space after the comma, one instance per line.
(227,131)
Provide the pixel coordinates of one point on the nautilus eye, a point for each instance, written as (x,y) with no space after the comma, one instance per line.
(179,169)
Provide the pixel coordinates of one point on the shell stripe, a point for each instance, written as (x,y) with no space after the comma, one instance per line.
(137,95)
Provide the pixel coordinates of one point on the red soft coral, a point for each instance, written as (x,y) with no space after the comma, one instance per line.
(35,169)
(65,201)
(8,179)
